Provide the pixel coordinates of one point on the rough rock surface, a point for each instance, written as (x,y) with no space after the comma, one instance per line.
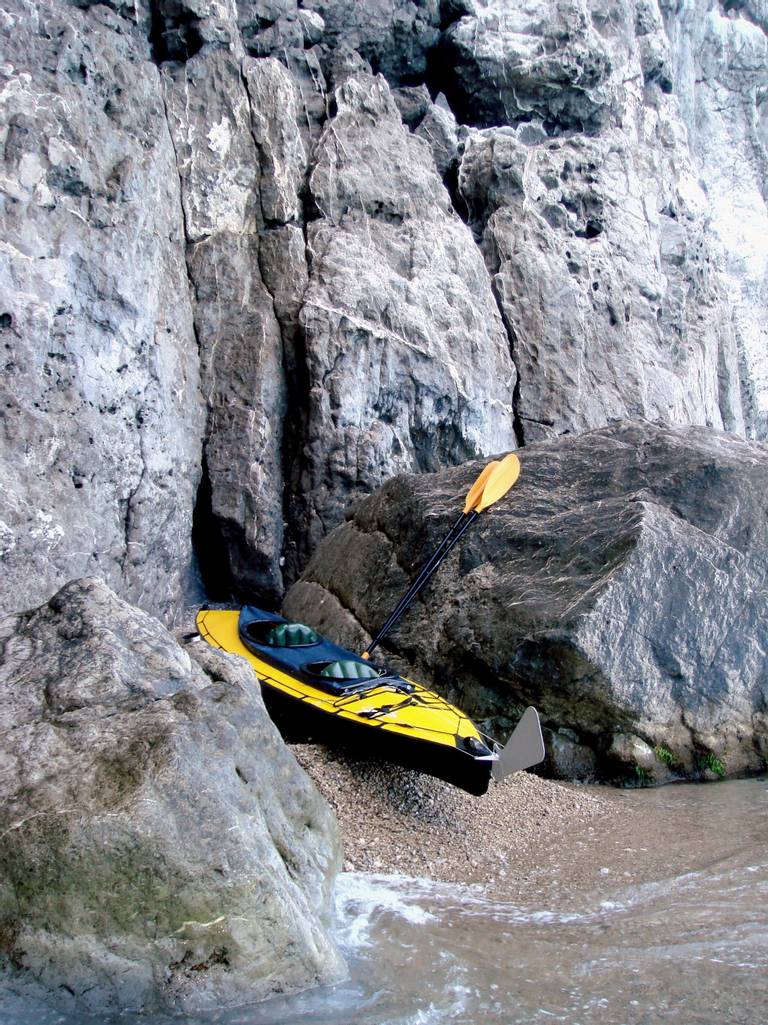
(159,845)
(504,63)
(101,417)
(240,225)
(718,53)
(407,357)
(620,587)
(581,189)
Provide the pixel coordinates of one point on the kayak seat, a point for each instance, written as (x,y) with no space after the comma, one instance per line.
(350,669)
(292,635)
(343,676)
(281,635)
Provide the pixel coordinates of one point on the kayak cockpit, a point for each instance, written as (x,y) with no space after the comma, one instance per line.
(332,669)
(279,635)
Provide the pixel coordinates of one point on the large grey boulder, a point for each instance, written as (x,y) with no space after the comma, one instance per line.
(620,587)
(101,414)
(159,846)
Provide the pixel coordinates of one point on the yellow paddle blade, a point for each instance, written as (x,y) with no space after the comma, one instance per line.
(499,481)
(476,490)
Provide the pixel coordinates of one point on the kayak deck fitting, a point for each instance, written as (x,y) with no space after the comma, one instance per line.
(311,682)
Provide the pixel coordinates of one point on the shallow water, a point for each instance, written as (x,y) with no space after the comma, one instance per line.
(655,917)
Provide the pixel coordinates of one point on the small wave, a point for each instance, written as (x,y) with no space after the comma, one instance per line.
(361,899)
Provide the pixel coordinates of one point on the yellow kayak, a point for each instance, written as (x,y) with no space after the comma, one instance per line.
(314,683)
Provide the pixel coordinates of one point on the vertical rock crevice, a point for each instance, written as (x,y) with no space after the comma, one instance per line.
(517,419)
(275,102)
(209,570)
(227,197)
(209,545)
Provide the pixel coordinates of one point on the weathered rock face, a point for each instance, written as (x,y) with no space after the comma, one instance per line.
(596,230)
(330,346)
(408,360)
(503,63)
(101,416)
(160,847)
(620,587)
(604,325)
(241,226)
(719,58)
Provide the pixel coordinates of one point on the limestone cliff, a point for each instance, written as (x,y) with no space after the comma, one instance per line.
(259,256)
(256,258)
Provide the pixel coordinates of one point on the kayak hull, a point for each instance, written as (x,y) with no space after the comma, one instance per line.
(391,718)
(304,723)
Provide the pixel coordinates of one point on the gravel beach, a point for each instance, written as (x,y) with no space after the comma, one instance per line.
(396,820)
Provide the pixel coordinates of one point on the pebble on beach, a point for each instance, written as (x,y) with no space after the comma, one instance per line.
(397,820)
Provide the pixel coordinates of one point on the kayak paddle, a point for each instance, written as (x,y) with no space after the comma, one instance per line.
(473,496)
(493,482)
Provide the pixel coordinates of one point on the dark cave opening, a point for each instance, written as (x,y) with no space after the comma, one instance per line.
(230,571)
(208,545)
(451,11)
(174,33)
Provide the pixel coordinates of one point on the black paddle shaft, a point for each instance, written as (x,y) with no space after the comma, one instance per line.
(462,524)
(415,586)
